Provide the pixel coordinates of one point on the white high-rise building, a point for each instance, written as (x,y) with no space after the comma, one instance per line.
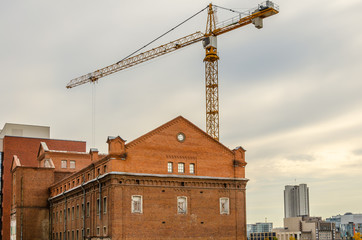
(296,200)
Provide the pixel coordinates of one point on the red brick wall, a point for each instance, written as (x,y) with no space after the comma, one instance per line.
(159,219)
(151,153)
(26,149)
(31,201)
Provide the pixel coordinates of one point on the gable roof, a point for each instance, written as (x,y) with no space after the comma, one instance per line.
(169,124)
(42,148)
(15,163)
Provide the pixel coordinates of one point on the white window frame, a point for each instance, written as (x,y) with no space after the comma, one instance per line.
(170,167)
(224,205)
(192,168)
(182,205)
(135,199)
(71,166)
(63,164)
(181,167)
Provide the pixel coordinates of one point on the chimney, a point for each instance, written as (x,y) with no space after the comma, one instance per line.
(94,154)
(239,162)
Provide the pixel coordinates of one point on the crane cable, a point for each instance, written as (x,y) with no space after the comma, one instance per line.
(163,34)
(93,114)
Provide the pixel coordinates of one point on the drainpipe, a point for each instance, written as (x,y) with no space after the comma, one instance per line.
(83,237)
(100,194)
(50,218)
(65,217)
(22,207)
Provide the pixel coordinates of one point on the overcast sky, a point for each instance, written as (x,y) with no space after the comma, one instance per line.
(290,93)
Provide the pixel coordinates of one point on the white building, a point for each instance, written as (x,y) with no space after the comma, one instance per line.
(296,200)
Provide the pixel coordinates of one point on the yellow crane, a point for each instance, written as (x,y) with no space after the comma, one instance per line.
(209,41)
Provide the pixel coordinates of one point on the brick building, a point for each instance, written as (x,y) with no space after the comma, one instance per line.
(23,141)
(175,182)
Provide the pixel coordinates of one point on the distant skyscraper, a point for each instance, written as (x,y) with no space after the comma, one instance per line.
(296,201)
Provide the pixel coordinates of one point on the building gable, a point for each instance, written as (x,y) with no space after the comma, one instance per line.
(184,146)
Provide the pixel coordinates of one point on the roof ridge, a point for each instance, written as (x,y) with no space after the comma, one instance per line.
(145,136)
(168,124)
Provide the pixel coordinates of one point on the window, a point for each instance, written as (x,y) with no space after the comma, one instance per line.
(98,231)
(77,236)
(136,204)
(73,235)
(104,230)
(182,205)
(68,216)
(181,167)
(82,210)
(105,205)
(77,213)
(71,164)
(192,168)
(88,210)
(224,205)
(170,167)
(99,171)
(60,216)
(104,168)
(98,202)
(64,164)
(56,217)
(72,213)
(88,232)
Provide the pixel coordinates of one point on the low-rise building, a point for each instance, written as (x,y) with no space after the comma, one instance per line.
(307,228)
(23,141)
(348,224)
(175,182)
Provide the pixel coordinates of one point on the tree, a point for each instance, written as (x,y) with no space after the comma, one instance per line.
(291,238)
(357,236)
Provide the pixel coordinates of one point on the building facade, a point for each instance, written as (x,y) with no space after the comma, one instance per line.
(347,225)
(260,231)
(23,142)
(296,200)
(175,182)
(263,236)
(307,228)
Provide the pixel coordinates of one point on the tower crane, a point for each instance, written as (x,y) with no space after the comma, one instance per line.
(209,41)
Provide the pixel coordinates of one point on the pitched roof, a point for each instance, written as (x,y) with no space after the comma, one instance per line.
(169,124)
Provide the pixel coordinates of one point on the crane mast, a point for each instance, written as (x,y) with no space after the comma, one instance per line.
(211,76)
(209,41)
